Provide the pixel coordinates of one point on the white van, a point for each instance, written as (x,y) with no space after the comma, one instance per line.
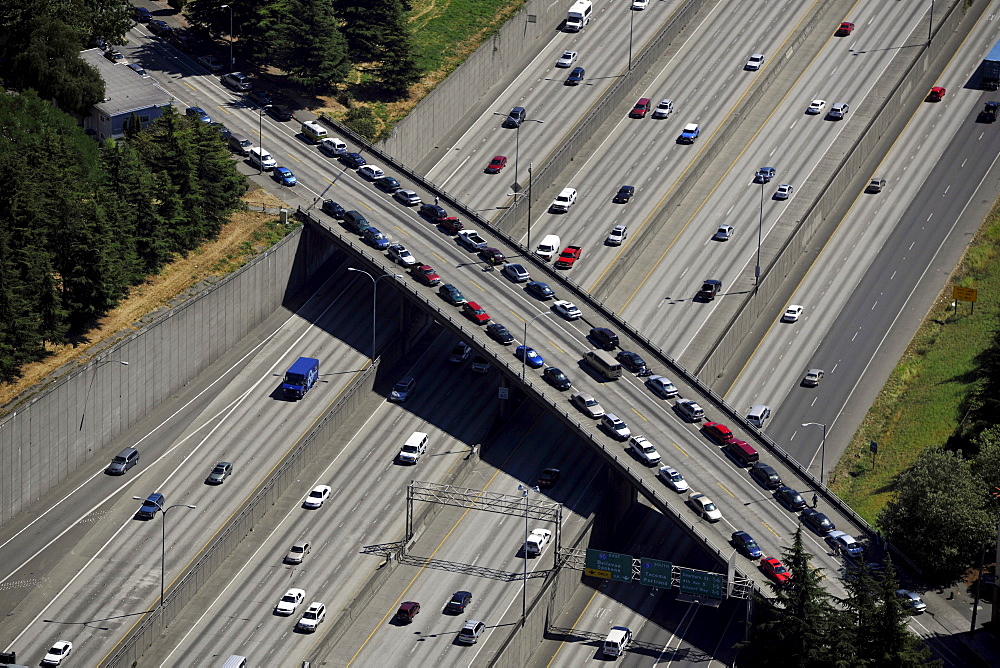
(259,157)
(758,415)
(550,246)
(415,446)
(617,641)
(313,131)
(332,146)
(579,15)
(235,661)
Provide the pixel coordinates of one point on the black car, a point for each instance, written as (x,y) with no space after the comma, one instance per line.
(142,15)
(557,378)
(280,112)
(388,184)
(459,602)
(765,476)
(135,67)
(499,333)
(223,130)
(633,362)
(433,212)
(790,499)
(259,97)
(604,337)
(709,290)
(161,28)
(353,160)
(575,77)
(624,194)
(515,117)
(539,290)
(332,208)
(548,477)
(819,522)
(185,43)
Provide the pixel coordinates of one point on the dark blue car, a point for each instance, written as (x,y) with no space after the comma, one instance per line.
(354,160)
(199,113)
(746,545)
(376,238)
(539,290)
(284,176)
(151,506)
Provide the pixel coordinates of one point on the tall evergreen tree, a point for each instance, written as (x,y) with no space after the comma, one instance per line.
(377,32)
(800,625)
(314,53)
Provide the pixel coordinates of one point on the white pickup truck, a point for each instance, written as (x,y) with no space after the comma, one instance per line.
(471,240)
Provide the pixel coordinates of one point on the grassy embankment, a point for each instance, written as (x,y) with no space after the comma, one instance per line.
(920,404)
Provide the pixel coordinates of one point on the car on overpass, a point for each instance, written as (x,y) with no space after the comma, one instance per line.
(615,426)
(399,255)
(425,274)
(539,290)
(672,479)
(499,333)
(774,569)
(476,313)
(529,355)
(557,378)
(746,545)
(644,450)
(587,404)
(662,387)
(548,478)
(567,309)
(704,506)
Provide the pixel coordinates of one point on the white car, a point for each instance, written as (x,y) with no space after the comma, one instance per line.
(289,602)
(816,107)
(704,507)
(644,450)
(617,235)
(844,543)
(371,172)
(399,255)
(911,601)
(312,617)
(566,309)
(663,109)
(410,452)
(639,5)
(516,273)
(564,200)
(317,496)
(407,197)
(59,651)
(755,63)
(566,59)
(616,426)
(792,313)
(812,377)
(784,191)
(537,540)
(724,233)
(673,479)
(471,240)
(588,404)
(662,386)
(210,63)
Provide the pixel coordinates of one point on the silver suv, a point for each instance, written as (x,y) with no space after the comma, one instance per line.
(237,81)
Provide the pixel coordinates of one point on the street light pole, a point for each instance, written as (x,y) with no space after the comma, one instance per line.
(822,448)
(524,356)
(930,23)
(529,207)
(93,377)
(760,231)
(631,17)
(374,299)
(163,534)
(260,132)
(524,589)
(232,61)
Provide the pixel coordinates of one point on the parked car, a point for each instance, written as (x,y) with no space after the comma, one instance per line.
(704,507)
(746,545)
(672,479)
(819,522)
(790,498)
(774,569)
(557,378)
(499,333)
(587,404)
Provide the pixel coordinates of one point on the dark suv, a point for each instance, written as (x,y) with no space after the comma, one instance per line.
(604,337)
(515,117)
(790,499)
(459,602)
(765,476)
(433,212)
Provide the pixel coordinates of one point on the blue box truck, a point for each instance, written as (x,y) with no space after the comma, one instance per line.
(300,377)
(990,78)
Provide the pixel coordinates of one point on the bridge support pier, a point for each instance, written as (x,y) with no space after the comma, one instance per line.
(619,498)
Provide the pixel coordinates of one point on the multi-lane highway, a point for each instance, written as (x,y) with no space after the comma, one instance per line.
(244,424)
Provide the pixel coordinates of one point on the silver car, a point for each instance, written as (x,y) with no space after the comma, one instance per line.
(588,404)
(516,273)
(662,386)
(298,552)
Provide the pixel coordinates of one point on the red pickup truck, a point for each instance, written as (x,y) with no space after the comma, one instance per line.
(569,255)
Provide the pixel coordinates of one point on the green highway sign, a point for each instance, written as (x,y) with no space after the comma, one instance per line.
(702,583)
(608,565)
(655,573)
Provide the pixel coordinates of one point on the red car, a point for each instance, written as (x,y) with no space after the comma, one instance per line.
(775,570)
(451,225)
(476,313)
(640,108)
(425,274)
(845,29)
(496,164)
(719,433)
(568,257)
(936,94)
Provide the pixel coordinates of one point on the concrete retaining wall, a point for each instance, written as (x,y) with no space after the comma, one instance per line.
(483,74)
(66,427)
